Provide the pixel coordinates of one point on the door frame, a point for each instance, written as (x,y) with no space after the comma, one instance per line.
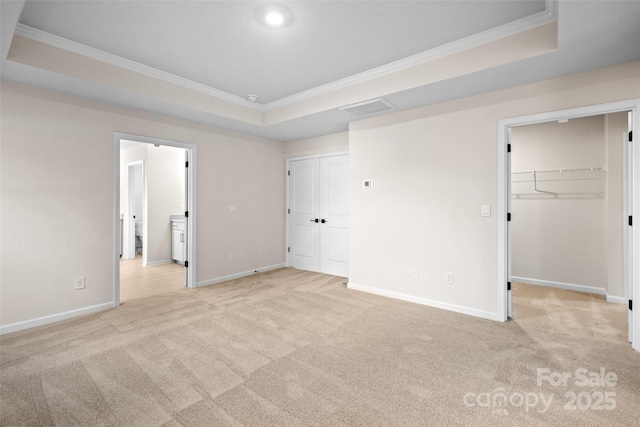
(130,244)
(287,169)
(191,150)
(503,258)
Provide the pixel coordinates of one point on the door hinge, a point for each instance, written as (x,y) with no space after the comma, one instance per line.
(289,173)
(186,214)
(508,148)
(630,220)
(630,136)
(186,264)
(508,216)
(186,164)
(631,305)
(508,286)
(288,211)
(289,249)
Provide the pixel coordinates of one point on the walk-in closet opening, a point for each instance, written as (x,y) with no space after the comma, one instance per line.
(567,228)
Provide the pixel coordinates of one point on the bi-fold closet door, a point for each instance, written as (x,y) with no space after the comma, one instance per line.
(319,215)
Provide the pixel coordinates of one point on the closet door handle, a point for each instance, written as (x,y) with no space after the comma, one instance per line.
(314,220)
(324,221)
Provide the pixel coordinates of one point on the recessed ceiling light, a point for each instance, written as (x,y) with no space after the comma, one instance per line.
(274,15)
(274,18)
(252,98)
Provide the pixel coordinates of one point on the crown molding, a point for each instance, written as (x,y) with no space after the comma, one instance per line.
(100,55)
(550,14)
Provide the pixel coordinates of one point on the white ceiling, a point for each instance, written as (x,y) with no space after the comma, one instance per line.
(219,48)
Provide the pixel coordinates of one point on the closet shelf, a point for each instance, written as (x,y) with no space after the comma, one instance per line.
(559,181)
(556,174)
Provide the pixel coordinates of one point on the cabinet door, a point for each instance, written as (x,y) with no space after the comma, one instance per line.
(177,245)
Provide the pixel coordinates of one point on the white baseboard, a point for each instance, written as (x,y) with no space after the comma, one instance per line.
(425,301)
(162,261)
(571,287)
(617,300)
(238,275)
(19,326)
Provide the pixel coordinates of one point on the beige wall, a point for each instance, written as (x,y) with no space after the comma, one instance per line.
(560,237)
(58,199)
(433,167)
(334,143)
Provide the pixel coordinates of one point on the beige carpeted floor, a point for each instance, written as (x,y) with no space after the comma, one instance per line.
(294,348)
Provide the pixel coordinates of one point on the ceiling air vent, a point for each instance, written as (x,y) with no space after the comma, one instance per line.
(367,107)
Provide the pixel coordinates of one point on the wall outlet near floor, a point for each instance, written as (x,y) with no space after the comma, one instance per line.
(79,283)
(448,278)
(414,272)
(232,256)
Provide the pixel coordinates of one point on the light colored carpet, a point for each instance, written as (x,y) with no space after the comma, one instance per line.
(294,348)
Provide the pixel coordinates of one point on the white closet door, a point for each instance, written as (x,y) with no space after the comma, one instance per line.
(304,202)
(334,215)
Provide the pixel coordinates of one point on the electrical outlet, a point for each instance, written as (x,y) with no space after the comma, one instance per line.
(232,256)
(79,283)
(448,278)
(414,272)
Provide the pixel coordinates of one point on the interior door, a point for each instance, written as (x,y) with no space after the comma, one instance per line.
(628,234)
(334,215)
(509,284)
(304,214)
(185,234)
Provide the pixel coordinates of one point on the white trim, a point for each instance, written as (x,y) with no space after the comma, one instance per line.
(238,275)
(616,300)
(571,287)
(162,261)
(131,225)
(504,125)
(19,326)
(425,301)
(561,285)
(192,208)
(118,61)
(523,24)
(317,156)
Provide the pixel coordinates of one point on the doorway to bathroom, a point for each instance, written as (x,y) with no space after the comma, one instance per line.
(154,217)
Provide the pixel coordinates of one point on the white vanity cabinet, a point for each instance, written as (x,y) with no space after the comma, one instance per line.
(178,238)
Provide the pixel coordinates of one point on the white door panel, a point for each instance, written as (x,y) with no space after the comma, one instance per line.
(304,201)
(305,189)
(319,215)
(628,234)
(509,291)
(304,241)
(334,214)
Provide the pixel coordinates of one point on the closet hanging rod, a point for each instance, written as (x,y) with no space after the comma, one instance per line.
(598,169)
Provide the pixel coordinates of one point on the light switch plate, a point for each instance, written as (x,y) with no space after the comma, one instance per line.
(233,209)
(486,210)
